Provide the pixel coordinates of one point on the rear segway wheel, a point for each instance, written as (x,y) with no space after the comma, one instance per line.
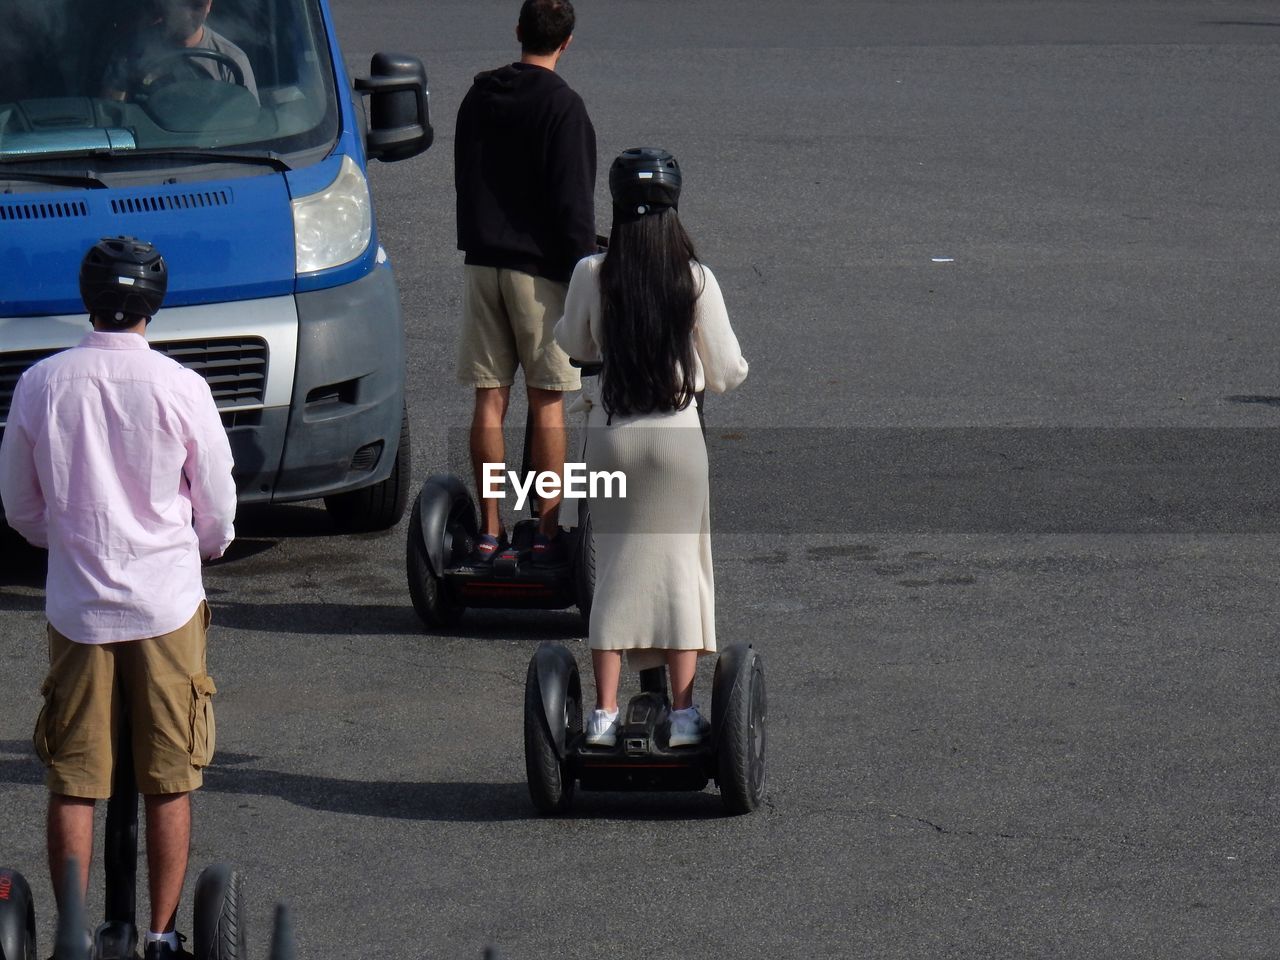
(17,917)
(219,914)
(432,600)
(551,783)
(738,711)
(585,569)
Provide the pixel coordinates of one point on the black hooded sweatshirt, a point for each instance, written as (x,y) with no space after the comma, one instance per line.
(525,170)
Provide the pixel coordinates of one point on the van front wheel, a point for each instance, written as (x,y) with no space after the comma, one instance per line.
(380,506)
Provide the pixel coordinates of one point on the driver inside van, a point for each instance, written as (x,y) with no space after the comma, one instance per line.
(176,43)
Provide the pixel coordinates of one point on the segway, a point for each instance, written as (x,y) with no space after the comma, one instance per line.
(17,917)
(558,758)
(443,579)
(218,913)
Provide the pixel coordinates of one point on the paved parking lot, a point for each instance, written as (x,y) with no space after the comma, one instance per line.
(995,504)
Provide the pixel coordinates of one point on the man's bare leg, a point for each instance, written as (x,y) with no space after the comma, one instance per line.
(168,846)
(70,834)
(546,408)
(487,447)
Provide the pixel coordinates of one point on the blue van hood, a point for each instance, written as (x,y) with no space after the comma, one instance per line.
(223,240)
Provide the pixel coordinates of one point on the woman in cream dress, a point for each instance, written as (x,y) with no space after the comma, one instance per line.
(655,318)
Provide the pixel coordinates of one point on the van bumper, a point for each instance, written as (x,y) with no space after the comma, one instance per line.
(341,429)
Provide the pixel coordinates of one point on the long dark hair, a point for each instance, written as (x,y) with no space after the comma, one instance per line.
(648,292)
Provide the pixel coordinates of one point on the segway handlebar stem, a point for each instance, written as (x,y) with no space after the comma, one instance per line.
(282,942)
(120,845)
(69,941)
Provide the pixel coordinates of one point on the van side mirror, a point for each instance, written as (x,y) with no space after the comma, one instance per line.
(399,113)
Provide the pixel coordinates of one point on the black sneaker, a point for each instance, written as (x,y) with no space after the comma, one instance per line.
(548,552)
(486,548)
(159,950)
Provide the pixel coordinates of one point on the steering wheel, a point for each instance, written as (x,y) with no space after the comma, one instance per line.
(162,66)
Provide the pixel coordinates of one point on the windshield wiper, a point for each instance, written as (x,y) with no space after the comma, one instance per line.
(261,158)
(60,179)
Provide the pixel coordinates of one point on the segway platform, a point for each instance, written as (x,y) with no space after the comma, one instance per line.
(512,579)
(443,530)
(558,758)
(444,581)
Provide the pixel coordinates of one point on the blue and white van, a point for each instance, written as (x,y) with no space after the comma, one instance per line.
(240,151)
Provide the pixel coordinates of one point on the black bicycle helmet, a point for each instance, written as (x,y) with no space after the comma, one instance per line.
(123,278)
(644,180)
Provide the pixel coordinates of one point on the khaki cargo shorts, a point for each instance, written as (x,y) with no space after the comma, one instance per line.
(164,685)
(508,320)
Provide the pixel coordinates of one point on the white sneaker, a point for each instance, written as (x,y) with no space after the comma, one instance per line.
(602,728)
(687,727)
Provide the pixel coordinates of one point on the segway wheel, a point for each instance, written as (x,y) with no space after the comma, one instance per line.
(585,569)
(738,713)
(551,784)
(17,917)
(432,600)
(218,926)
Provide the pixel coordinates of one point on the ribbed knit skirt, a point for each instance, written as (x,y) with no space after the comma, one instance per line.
(654,585)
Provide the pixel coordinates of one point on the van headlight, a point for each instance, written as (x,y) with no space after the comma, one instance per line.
(333,227)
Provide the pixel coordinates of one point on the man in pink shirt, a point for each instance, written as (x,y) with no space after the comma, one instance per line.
(114,458)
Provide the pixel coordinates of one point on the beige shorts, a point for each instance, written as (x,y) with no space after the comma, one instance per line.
(164,685)
(508,319)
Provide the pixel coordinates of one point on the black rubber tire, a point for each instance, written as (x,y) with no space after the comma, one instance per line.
(741,746)
(381,506)
(432,601)
(17,918)
(550,786)
(219,914)
(584,573)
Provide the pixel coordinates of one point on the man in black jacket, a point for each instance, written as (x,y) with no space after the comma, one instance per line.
(525,172)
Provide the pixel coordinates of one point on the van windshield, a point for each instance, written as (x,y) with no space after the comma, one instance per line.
(82,77)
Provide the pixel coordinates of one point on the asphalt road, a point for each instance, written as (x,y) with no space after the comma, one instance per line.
(996,504)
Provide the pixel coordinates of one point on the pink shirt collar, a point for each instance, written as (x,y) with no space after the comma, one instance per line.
(104,340)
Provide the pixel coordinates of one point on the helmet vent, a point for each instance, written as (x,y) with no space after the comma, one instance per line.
(43,211)
(160,203)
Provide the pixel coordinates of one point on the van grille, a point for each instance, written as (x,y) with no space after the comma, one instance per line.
(43,211)
(172,201)
(234,367)
(12,366)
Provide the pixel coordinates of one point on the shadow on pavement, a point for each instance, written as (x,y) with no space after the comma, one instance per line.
(20,563)
(705,805)
(323,619)
(260,528)
(21,602)
(363,619)
(26,772)
(461,802)
(23,769)
(285,520)
(451,802)
(441,802)
(515,625)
